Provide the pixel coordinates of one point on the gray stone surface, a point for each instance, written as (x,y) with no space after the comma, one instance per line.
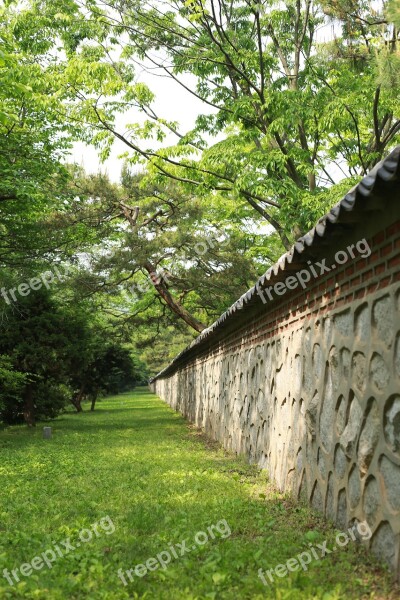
(343,322)
(362,323)
(312,414)
(330,499)
(392,423)
(316,498)
(345,356)
(317,406)
(341,415)
(318,361)
(299,463)
(341,515)
(354,487)
(340,461)
(350,434)
(397,356)
(327,415)
(321,463)
(379,372)
(382,319)
(391,477)
(369,437)
(47,433)
(372,500)
(384,544)
(359,371)
(327,331)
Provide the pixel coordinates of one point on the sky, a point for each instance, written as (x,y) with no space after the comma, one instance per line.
(172,102)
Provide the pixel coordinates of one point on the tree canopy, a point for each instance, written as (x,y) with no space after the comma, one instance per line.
(288,111)
(297,102)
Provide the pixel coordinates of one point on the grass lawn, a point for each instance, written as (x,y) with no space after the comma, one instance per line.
(136,466)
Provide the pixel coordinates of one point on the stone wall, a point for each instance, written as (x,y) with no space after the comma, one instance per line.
(308,387)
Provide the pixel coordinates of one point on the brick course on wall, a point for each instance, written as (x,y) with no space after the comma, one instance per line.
(308,386)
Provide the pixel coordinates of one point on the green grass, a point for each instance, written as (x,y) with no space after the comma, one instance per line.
(160,481)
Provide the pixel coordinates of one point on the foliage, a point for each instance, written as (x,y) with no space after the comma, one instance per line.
(290,121)
(107,368)
(37,336)
(162,255)
(11,382)
(33,141)
(115,370)
(286,114)
(46,348)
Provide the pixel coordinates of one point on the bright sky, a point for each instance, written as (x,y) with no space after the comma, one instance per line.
(172,102)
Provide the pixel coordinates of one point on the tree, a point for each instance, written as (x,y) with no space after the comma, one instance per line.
(11,384)
(109,369)
(388,62)
(286,117)
(294,114)
(35,183)
(33,337)
(33,141)
(160,248)
(53,351)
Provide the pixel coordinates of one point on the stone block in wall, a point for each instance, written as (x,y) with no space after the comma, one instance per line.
(310,391)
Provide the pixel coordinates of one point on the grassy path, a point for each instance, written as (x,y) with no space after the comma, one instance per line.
(136,466)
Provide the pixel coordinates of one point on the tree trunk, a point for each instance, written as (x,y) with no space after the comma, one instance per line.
(77,404)
(173,304)
(131,214)
(93,403)
(77,399)
(29,408)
